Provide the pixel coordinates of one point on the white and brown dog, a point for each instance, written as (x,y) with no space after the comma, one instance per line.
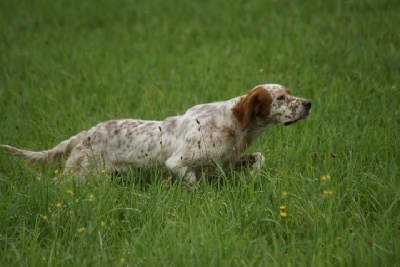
(206,136)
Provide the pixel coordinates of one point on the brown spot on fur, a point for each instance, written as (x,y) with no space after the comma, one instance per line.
(257,102)
(230,131)
(170,124)
(79,160)
(110,124)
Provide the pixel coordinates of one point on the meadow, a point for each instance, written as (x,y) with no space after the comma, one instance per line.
(329,193)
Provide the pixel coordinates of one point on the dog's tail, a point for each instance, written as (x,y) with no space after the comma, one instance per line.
(50,156)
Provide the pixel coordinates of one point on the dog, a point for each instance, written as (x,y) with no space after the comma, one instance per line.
(206,137)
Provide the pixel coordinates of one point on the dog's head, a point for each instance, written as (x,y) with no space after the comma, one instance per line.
(270,103)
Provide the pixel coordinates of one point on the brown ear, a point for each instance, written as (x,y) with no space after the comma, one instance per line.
(257,102)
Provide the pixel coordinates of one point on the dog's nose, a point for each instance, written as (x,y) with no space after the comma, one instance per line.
(307,104)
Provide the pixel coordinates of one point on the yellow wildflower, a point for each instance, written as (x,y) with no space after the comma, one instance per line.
(58,205)
(325,177)
(103,171)
(283,214)
(92,197)
(282,207)
(70,192)
(81,230)
(56,172)
(284,194)
(44,218)
(122,260)
(103,224)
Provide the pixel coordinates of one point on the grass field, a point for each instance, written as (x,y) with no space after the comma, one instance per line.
(67,65)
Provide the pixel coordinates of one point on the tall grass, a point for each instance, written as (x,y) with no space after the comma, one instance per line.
(66,65)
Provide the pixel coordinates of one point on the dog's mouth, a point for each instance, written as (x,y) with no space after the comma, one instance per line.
(296,120)
(290,122)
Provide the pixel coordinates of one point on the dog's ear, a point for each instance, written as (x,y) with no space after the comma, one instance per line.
(257,102)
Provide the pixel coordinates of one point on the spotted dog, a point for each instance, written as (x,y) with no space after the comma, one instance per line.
(206,136)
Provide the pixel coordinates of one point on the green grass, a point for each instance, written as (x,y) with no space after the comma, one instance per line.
(67,65)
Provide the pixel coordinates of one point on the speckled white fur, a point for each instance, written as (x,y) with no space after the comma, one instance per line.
(205,136)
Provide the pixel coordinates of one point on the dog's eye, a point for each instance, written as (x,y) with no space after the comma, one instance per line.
(281,97)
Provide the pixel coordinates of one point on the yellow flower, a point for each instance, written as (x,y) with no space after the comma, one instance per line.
(103,224)
(282,207)
(325,177)
(56,172)
(44,218)
(70,192)
(261,70)
(103,171)
(92,197)
(58,205)
(284,194)
(81,230)
(283,214)
(327,192)
(71,171)
(122,260)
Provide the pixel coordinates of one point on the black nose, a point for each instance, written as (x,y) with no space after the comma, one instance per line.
(307,104)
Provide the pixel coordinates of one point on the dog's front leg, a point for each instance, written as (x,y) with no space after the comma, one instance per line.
(252,162)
